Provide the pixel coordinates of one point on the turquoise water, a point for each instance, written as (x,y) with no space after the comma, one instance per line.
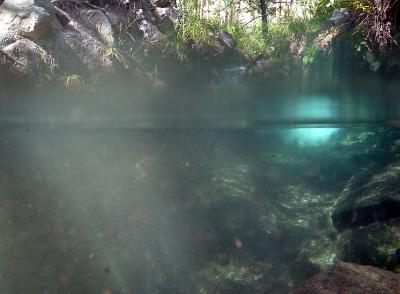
(103,210)
(197,193)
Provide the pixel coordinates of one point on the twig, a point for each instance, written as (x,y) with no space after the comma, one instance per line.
(62,16)
(251,20)
(83,3)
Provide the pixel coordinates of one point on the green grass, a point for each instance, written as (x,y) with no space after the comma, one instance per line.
(251,40)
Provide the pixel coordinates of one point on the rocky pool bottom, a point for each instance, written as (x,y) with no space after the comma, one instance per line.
(201,211)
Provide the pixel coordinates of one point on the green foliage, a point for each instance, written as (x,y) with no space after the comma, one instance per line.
(281,35)
(253,41)
(116,55)
(299,26)
(360,44)
(312,55)
(363,5)
(324,8)
(192,28)
(249,39)
(362,48)
(44,74)
(195,30)
(73,82)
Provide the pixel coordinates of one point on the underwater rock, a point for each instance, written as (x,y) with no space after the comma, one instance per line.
(367,215)
(235,182)
(375,244)
(352,278)
(235,277)
(373,198)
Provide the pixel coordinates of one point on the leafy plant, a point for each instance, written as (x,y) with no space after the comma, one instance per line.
(360,44)
(310,56)
(250,39)
(73,82)
(324,8)
(115,54)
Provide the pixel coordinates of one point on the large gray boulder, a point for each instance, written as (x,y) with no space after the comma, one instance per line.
(25,58)
(32,19)
(79,38)
(100,23)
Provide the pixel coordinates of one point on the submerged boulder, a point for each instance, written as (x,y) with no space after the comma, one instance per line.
(367,215)
(376,244)
(352,278)
(372,198)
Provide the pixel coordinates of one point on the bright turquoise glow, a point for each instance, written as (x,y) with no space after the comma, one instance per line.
(318,108)
(311,136)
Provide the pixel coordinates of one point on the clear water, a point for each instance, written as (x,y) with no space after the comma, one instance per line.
(186,196)
(172,211)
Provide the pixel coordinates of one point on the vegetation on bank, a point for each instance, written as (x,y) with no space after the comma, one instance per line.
(288,37)
(276,30)
(371,25)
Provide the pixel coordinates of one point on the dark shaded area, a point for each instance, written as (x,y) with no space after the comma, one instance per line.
(375,244)
(385,210)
